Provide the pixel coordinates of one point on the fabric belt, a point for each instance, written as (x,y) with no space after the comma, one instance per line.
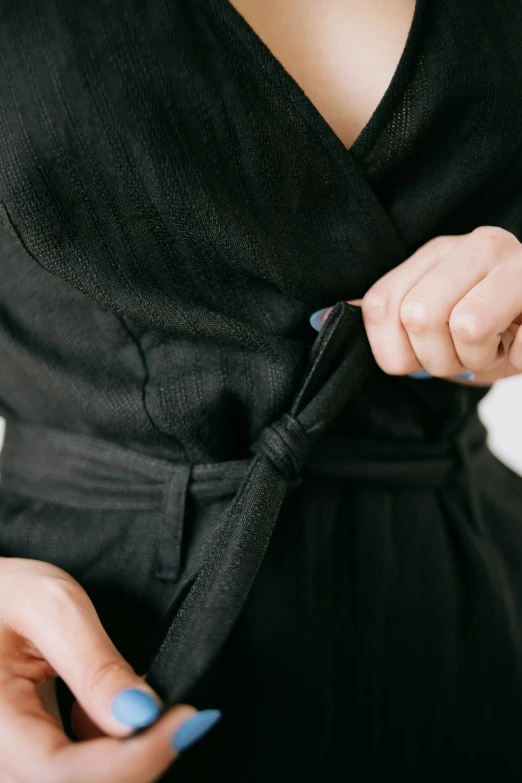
(76,469)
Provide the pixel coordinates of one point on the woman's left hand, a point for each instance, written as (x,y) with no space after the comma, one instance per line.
(453,307)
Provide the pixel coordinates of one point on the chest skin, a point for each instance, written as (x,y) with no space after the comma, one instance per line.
(342,53)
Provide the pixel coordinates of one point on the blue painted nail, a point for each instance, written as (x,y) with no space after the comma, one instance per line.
(317,318)
(135,708)
(421,375)
(194,729)
(466,376)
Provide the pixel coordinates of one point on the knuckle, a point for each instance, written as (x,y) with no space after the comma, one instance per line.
(415,313)
(397,365)
(58,595)
(445,240)
(441,244)
(376,304)
(54,604)
(469,326)
(492,241)
(488,234)
(98,671)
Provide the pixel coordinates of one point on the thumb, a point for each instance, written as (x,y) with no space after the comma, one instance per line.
(83,727)
(72,639)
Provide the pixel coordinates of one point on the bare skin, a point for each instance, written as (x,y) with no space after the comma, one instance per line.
(49,627)
(342,53)
(455,306)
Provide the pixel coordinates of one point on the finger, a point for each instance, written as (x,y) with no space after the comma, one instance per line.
(25,723)
(46,691)
(140,759)
(502,368)
(53,758)
(478,321)
(82,726)
(381,304)
(63,625)
(514,353)
(426,308)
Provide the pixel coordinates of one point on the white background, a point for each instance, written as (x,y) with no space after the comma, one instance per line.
(501,412)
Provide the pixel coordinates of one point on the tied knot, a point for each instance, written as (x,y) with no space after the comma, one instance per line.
(285,444)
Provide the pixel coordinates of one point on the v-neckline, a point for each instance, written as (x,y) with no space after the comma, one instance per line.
(263,57)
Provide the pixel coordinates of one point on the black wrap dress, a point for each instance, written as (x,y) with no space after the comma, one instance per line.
(266,522)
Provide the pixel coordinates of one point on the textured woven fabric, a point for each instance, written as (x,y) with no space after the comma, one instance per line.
(172,209)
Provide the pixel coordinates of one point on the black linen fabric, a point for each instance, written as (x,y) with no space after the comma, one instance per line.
(266,522)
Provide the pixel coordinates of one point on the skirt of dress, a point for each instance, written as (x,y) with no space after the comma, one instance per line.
(382,639)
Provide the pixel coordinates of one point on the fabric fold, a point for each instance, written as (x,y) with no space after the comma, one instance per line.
(339,362)
(211,590)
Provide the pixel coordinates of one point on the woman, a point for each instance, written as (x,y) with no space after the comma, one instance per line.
(204,501)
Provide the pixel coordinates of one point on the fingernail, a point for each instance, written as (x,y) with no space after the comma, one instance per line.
(135,708)
(194,729)
(467,376)
(317,318)
(421,375)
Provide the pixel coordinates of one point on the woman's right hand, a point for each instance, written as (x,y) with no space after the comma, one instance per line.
(49,627)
